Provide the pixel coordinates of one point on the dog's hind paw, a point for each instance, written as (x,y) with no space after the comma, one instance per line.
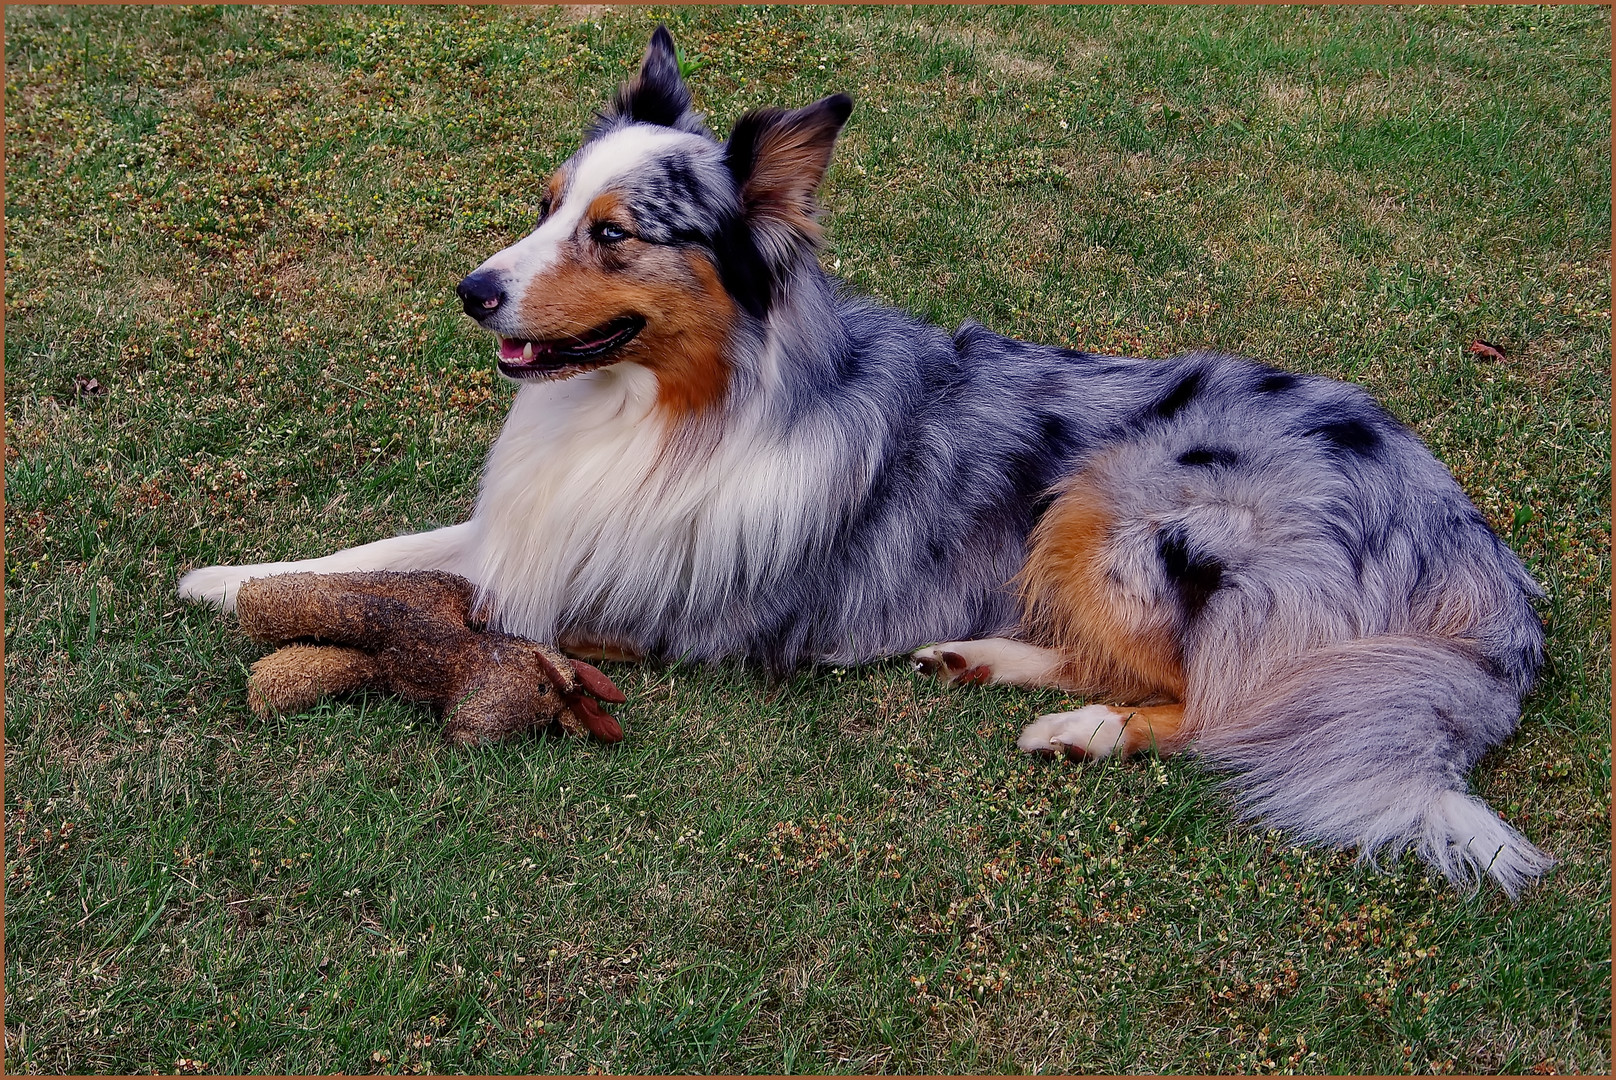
(950,666)
(990,660)
(1094,731)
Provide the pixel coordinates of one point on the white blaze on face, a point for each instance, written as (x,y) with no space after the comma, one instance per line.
(594,169)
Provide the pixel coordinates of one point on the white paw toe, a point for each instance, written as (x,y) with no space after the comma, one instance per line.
(949,663)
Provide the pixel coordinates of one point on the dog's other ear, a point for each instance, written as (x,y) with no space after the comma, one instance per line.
(778,159)
(658,95)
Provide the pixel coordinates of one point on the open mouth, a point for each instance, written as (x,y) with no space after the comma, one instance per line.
(523,359)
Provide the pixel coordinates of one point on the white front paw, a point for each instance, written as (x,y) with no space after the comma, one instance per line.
(1092,731)
(216,585)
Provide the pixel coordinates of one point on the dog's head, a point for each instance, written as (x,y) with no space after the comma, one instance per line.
(655,240)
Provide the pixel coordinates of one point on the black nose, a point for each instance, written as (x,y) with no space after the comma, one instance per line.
(481,294)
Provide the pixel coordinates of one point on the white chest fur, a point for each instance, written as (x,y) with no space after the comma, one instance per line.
(588,516)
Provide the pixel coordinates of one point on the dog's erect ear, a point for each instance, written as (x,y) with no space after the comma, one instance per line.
(778,159)
(657,95)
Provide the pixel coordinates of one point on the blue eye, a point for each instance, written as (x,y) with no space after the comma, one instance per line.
(609,232)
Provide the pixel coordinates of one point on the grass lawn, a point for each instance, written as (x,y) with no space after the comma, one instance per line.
(232,239)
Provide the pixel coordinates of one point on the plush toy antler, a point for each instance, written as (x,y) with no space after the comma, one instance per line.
(407,634)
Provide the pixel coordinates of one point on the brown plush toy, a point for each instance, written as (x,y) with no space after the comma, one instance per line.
(407,634)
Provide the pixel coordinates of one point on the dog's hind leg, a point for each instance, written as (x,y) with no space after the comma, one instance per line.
(1094,731)
(450,549)
(1086,593)
(1109,637)
(1102,631)
(1098,731)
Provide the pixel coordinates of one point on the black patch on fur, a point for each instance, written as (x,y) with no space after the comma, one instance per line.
(1352,435)
(1498,670)
(1196,576)
(1179,396)
(742,268)
(1208,455)
(1055,434)
(1033,472)
(849,365)
(680,179)
(669,196)
(1033,469)
(1277,382)
(1030,472)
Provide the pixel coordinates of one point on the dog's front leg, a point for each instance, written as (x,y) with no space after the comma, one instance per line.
(450,549)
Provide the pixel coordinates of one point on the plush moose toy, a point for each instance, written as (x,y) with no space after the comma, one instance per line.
(408,634)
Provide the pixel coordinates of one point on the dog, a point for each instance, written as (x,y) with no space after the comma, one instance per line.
(715,452)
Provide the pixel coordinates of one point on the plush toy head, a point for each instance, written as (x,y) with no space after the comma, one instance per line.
(408,634)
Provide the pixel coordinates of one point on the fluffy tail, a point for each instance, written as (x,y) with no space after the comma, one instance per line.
(1366,744)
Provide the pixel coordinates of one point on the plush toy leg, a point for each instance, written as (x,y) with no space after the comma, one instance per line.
(365,609)
(294,678)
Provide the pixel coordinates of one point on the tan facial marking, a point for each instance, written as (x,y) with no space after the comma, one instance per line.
(692,372)
(688,314)
(606,207)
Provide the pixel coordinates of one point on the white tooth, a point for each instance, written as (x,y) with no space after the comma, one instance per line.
(527,351)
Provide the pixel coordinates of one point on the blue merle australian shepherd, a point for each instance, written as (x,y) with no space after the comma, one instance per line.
(714,452)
